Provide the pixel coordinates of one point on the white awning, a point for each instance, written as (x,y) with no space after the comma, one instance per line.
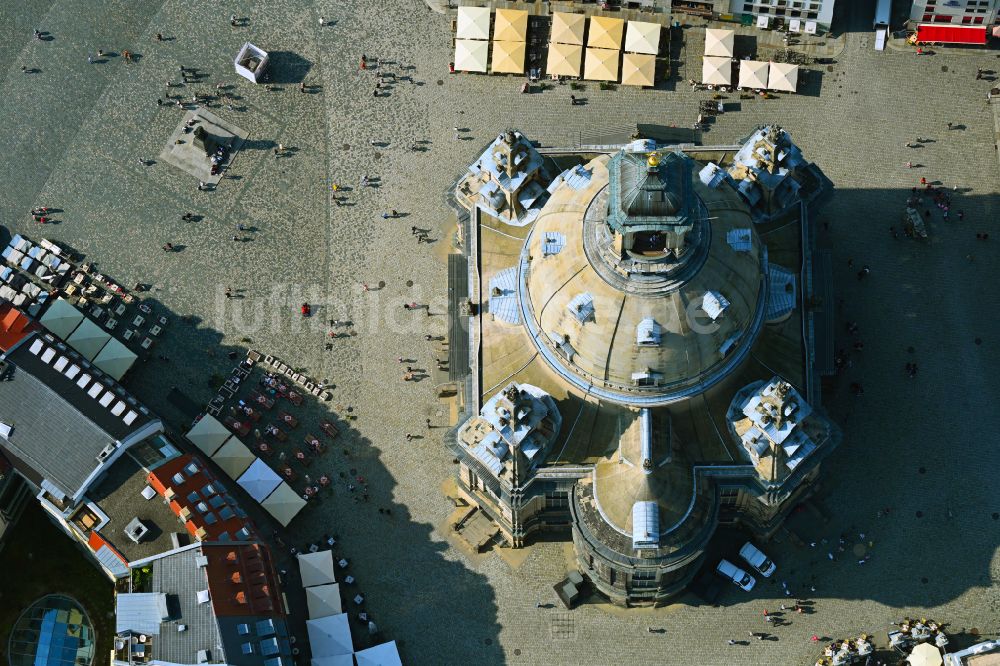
(323,600)
(284,504)
(208,434)
(643,37)
(88,339)
(783,76)
(473,23)
(61,318)
(753,74)
(115,358)
(259,480)
(716,71)
(329,636)
(234,458)
(471,55)
(316,568)
(385,654)
(719,42)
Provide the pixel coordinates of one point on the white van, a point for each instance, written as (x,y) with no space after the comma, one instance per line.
(756,559)
(739,577)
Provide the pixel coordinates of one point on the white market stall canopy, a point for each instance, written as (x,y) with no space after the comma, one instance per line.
(473,23)
(716,71)
(783,76)
(643,37)
(323,600)
(61,318)
(284,504)
(234,458)
(251,62)
(88,339)
(386,654)
(330,636)
(567,28)
(208,434)
(115,359)
(259,480)
(471,55)
(753,74)
(719,43)
(316,568)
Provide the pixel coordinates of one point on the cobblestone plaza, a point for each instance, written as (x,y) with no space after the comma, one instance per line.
(74,132)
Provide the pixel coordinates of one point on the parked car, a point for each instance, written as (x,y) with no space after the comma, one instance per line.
(740,578)
(757,559)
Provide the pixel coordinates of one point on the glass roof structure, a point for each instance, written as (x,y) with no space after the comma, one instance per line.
(53,631)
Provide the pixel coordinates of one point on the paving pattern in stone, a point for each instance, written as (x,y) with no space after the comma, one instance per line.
(73,133)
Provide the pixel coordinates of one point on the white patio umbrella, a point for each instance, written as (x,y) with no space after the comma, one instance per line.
(473,23)
(716,71)
(753,74)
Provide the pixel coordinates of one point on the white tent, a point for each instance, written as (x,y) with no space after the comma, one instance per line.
(115,358)
(783,76)
(719,42)
(471,55)
(234,458)
(259,480)
(643,37)
(334,660)
(316,568)
(323,600)
(385,654)
(329,636)
(284,504)
(716,71)
(61,318)
(473,23)
(88,339)
(208,434)
(753,74)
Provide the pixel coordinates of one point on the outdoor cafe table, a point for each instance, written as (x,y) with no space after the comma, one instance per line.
(288,419)
(313,443)
(294,398)
(241,427)
(277,432)
(263,401)
(329,429)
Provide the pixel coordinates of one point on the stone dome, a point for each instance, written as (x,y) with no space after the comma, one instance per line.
(634,329)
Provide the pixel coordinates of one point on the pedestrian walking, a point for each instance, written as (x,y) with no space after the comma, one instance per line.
(413,231)
(168,247)
(229,292)
(909,165)
(409,437)
(364,287)
(572,100)
(428,424)
(90,60)
(232,20)
(731,642)
(950,125)
(322,21)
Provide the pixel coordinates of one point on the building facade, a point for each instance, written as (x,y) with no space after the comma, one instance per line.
(955,12)
(820,11)
(651,305)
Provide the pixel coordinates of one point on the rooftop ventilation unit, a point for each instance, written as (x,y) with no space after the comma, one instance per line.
(105,453)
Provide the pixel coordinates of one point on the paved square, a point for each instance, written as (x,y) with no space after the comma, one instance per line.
(72,135)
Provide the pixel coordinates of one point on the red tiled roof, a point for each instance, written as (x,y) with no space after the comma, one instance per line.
(162,478)
(14,326)
(951,34)
(242,580)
